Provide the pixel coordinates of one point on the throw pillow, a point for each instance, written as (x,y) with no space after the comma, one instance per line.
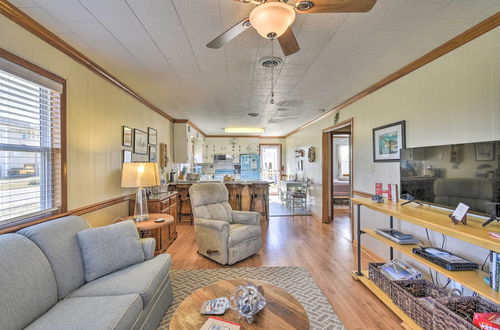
(109,248)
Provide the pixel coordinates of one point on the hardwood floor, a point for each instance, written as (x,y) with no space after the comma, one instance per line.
(323,251)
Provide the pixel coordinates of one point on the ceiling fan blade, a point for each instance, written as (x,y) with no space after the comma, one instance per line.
(288,42)
(230,34)
(334,6)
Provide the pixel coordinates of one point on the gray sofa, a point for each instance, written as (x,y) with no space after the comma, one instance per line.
(43,284)
(222,234)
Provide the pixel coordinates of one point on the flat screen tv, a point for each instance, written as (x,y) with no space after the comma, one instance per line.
(449,174)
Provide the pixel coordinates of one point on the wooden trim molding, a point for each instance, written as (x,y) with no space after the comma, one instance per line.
(326,177)
(362,193)
(9,228)
(345,123)
(16,15)
(460,40)
(190,123)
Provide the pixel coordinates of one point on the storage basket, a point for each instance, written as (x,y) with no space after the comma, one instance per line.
(379,278)
(457,312)
(408,296)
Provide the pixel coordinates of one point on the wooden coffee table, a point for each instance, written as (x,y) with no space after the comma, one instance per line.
(282,310)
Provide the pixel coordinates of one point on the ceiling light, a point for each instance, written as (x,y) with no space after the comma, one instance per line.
(272,19)
(254,114)
(244,130)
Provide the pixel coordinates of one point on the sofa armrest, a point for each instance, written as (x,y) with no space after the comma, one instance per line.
(246,217)
(148,246)
(212,224)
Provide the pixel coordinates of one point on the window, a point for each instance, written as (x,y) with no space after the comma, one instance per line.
(30,144)
(344,159)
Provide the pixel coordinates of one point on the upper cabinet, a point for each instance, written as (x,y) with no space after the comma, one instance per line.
(188,144)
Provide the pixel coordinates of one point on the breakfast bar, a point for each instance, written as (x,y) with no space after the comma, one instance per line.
(243,196)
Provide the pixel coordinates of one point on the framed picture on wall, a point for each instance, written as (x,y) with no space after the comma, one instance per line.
(126,136)
(139,158)
(152,136)
(388,140)
(485,151)
(140,142)
(153,158)
(127,156)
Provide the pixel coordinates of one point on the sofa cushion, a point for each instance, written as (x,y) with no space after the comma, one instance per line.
(144,279)
(57,239)
(103,313)
(239,233)
(28,285)
(109,248)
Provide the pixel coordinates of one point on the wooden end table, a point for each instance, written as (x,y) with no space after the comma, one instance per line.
(282,310)
(160,231)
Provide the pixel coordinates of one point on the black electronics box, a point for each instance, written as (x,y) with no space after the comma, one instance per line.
(445,259)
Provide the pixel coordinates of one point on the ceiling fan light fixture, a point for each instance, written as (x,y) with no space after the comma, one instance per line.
(272,19)
(304,5)
(243,130)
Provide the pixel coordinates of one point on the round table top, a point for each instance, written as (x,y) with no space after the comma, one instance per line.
(282,310)
(150,224)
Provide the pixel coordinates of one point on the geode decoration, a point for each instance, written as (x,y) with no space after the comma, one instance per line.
(248,301)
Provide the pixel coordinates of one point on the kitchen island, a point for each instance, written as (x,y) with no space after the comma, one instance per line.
(243,196)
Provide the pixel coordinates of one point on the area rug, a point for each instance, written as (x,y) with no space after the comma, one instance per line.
(295,280)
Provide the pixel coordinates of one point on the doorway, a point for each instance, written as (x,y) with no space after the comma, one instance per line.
(338,177)
(270,165)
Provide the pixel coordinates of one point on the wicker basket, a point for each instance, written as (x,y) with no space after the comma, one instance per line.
(408,296)
(457,312)
(379,278)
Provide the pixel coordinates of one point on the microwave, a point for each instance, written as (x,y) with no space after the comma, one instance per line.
(223,157)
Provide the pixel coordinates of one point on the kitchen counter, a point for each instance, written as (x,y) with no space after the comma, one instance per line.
(243,196)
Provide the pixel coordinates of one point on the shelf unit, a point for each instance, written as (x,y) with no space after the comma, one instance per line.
(436,220)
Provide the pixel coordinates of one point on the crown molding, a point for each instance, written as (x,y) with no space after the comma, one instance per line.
(16,15)
(474,32)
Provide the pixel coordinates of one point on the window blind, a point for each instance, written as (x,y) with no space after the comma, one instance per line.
(30,145)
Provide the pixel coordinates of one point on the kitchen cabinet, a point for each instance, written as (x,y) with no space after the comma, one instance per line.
(188,144)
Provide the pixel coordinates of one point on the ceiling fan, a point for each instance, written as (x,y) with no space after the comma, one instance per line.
(273,19)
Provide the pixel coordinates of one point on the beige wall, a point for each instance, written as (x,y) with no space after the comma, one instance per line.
(453,99)
(96,111)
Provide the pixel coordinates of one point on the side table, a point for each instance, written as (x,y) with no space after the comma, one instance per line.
(160,231)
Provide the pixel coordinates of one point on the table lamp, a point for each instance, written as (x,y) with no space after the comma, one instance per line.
(140,175)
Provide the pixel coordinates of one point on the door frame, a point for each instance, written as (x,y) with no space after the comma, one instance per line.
(327,170)
(280,159)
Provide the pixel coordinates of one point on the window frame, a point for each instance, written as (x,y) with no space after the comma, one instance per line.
(28,221)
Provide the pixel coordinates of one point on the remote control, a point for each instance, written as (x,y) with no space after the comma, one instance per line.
(160,220)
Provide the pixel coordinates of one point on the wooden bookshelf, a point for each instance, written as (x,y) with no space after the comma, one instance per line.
(438,220)
(470,279)
(408,323)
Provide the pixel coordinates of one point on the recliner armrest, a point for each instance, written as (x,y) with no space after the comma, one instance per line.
(212,224)
(148,246)
(246,217)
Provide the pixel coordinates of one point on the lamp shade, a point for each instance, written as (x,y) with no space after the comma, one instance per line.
(272,19)
(136,175)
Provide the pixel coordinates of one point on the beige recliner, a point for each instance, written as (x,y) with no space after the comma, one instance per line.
(222,234)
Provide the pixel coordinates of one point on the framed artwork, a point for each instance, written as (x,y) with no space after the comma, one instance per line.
(140,142)
(140,158)
(388,140)
(127,156)
(485,151)
(152,136)
(153,158)
(126,136)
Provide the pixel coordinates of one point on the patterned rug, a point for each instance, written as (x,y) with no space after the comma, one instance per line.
(296,280)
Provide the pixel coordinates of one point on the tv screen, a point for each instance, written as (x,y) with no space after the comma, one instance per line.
(451,174)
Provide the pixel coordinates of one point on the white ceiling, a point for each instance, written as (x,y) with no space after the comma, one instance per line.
(157,47)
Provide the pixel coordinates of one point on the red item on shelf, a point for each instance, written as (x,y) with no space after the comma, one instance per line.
(487,321)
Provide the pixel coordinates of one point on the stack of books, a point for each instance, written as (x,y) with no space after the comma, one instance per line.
(494,271)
